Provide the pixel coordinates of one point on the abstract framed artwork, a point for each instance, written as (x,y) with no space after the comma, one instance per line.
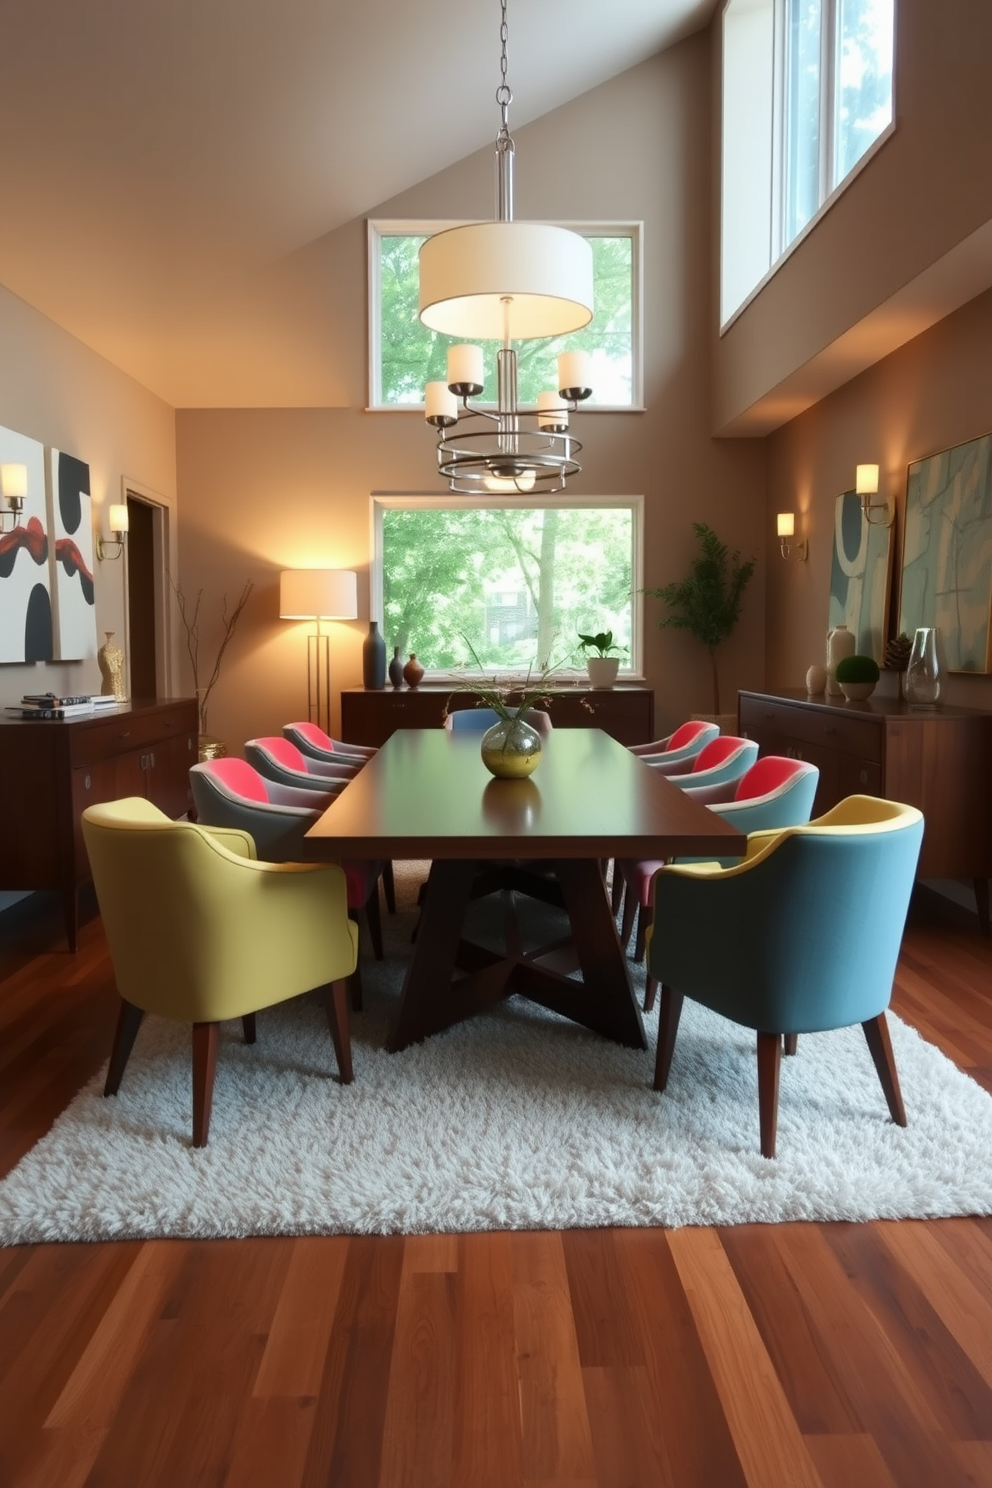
(26,630)
(71,547)
(860,575)
(947,553)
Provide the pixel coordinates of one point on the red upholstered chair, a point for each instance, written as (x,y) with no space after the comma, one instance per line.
(311,740)
(725,758)
(775,792)
(684,744)
(230,793)
(279,760)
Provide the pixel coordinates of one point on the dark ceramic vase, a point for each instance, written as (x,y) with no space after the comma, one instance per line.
(374,658)
(396,668)
(413,672)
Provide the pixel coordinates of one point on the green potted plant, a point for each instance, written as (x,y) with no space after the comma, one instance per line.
(857,677)
(707,602)
(602,667)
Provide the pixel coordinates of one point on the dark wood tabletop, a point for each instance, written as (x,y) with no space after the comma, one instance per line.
(427,794)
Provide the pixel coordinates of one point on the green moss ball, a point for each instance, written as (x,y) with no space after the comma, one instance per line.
(857,669)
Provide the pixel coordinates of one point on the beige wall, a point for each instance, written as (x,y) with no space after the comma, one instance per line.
(55,390)
(933,393)
(928,188)
(263,490)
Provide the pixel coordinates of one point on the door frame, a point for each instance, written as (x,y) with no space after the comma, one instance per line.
(165,561)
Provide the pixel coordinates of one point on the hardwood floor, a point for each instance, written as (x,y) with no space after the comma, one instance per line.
(787,1356)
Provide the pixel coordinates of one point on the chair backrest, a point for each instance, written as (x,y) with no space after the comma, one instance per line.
(475,720)
(770,773)
(236,776)
(283,752)
(688,733)
(311,732)
(716,752)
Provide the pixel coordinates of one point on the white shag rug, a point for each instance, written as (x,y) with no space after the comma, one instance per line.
(516,1120)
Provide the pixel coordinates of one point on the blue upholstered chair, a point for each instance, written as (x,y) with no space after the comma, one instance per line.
(775,792)
(684,744)
(810,924)
(723,759)
(477,720)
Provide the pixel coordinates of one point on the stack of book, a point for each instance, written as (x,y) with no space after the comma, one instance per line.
(51,705)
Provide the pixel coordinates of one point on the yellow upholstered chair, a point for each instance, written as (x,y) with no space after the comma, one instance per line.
(200,931)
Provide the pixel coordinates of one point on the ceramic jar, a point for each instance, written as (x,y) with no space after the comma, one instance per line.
(396,668)
(110,659)
(374,658)
(511,749)
(840,642)
(413,672)
(816,680)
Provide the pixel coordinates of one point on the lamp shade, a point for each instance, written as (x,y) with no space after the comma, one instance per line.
(14,481)
(786,524)
(866,480)
(118,518)
(524,279)
(312,593)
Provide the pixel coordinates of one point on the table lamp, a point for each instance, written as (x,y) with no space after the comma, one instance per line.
(318,594)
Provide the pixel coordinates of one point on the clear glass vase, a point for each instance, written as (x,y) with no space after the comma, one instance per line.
(921,679)
(511,749)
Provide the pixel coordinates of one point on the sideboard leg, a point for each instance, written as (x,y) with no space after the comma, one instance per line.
(70,913)
(982,900)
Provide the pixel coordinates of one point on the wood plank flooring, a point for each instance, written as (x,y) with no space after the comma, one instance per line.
(788,1356)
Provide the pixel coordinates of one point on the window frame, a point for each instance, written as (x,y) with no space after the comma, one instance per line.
(827,195)
(380,227)
(383,501)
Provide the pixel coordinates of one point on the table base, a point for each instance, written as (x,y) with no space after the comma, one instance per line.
(433,999)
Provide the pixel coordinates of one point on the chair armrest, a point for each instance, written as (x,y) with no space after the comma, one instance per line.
(292,796)
(713,794)
(328,771)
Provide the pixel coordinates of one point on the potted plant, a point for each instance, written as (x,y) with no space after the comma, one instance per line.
(707,602)
(602,667)
(857,677)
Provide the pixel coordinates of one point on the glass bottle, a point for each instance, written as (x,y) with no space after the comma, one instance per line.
(922,680)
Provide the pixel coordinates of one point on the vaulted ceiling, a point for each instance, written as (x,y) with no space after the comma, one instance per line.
(155,155)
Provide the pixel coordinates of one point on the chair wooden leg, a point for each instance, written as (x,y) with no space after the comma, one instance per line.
(248,1024)
(374,921)
(389,886)
(668,1026)
(650,991)
(790,1043)
(128,1022)
(355,989)
(769,1065)
(644,916)
(629,911)
(880,1046)
(336,999)
(204,1066)
(616,888)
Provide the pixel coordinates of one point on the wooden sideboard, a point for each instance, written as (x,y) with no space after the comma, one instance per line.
(50,771)
(369,717)
(939,760)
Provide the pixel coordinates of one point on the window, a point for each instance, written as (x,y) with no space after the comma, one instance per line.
(519,580)
(404,354)
(807,91)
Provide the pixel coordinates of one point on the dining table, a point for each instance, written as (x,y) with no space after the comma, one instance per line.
(427,795)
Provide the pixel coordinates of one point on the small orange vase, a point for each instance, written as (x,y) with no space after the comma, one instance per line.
(413,672)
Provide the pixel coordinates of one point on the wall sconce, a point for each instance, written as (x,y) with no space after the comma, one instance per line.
(318,594)
(118,520)
(866,486)
(13,488)
(786,528)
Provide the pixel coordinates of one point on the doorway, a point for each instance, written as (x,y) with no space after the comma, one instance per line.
(147,601)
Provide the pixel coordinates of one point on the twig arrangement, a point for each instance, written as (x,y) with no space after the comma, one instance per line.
(189,613)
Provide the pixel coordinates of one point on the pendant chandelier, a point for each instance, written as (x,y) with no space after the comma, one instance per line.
(506,281)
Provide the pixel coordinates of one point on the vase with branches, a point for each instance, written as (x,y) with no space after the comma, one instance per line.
(189,614)
(707,602)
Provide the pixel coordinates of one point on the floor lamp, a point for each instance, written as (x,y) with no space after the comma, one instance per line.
(318,594)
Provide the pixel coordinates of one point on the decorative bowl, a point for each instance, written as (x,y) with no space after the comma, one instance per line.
(856,692)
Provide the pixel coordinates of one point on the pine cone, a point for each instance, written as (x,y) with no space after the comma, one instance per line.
(897,653)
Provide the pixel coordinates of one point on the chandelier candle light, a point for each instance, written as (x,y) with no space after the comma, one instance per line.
(505,281)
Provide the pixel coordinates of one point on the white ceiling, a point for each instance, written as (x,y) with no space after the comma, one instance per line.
(155,154)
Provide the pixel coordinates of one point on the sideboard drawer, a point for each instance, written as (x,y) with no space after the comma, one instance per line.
(860,736)
(121,733)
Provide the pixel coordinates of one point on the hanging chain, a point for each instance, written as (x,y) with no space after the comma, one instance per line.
(504,97)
